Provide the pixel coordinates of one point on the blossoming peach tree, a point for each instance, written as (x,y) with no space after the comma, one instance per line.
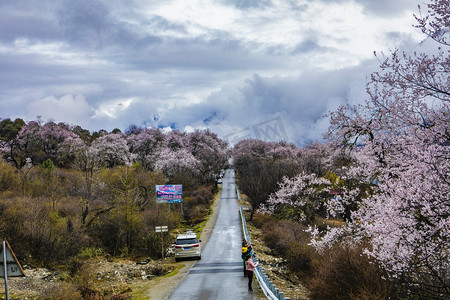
(399,145)
(401,138)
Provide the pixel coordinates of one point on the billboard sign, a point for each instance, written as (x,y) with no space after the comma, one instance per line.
(169,193)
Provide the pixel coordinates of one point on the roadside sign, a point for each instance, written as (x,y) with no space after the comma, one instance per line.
(11,266)
(14,269)
(161,229)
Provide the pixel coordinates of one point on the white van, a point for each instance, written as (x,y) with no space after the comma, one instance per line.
(187,245)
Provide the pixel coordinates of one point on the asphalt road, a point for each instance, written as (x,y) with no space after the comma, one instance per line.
(219,275)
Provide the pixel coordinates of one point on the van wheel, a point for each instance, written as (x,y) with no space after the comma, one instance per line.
(200,257)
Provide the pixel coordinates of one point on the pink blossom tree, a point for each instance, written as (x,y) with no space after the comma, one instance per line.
(146,144)
(176,140)
(299,198)
(39,142)
(113,149)
(402,138)
(261,166)
(172,163)
(210,151)
(322,186)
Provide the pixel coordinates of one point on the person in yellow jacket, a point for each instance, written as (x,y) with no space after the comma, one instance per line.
(246,252)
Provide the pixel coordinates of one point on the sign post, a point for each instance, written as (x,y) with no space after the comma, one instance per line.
(5,271)
(162,229)
(11,266)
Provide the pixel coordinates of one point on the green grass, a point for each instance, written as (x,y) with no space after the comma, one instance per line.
(175,271)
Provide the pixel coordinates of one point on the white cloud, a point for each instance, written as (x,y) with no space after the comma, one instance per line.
(69,109)
(111,109)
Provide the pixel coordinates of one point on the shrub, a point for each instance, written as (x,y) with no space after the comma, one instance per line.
(150,241)
(61,291)
(279,235)
(159,270)
(186,180)
(8,178)
(301,258)
(90,252)
(196,204)
(87,285)
(260,219)
(203,195)
(344,272)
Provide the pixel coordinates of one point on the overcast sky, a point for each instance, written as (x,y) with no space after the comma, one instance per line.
(233,66)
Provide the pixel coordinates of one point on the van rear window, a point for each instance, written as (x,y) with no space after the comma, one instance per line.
(187,241)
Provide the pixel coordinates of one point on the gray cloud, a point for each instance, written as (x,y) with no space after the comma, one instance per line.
(91,24)
(105,65)
(300,101)
(249,4)
(385,7)
(28,19)
(379,7)
(308,45)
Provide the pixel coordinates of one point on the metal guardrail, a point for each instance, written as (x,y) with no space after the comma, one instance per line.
(267,286)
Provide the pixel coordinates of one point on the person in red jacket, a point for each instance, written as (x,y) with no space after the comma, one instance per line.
(250,267)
